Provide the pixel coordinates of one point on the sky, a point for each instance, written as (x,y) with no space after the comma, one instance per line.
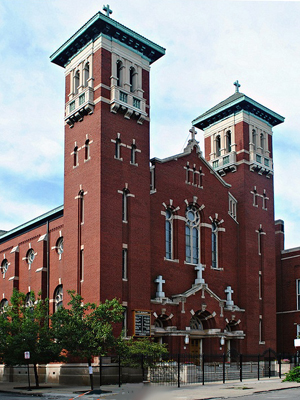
(209,45)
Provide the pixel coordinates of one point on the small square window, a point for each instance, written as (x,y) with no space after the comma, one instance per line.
(81,99)
(123,97)
(136,103)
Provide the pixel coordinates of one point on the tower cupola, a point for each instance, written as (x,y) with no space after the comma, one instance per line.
(239,130)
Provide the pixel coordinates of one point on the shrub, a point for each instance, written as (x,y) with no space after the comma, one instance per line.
(293,375)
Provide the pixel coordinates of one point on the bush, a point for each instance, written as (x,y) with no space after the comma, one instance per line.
(293,375)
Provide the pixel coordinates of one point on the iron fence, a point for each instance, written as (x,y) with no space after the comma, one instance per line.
(182,369)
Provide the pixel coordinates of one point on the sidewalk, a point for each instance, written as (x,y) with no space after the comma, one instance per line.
(140,392)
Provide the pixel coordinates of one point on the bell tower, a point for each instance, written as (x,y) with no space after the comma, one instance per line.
(236,131)
(238,145)
(107,185)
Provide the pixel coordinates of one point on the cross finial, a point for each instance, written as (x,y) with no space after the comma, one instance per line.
(193,133)
(107,10)
(199,268)
(237,86)
(159,280)
(229,301)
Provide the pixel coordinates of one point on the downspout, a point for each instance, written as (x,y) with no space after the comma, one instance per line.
(47,267)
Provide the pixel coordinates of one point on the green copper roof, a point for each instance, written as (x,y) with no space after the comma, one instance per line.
(34,223)
(234,104)
(101,24)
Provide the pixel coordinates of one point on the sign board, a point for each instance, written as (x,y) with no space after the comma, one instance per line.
(27,355)
(142,323)
(297,342)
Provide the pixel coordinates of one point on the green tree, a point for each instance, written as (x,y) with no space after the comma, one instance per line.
(24,326)
(86,330)
(142,352)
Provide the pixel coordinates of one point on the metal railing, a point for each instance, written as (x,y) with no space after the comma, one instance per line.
(184,369)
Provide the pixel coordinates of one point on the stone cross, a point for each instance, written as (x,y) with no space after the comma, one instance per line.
(229,291)
(237,86)
(107,10)
(159,280)
(199,268)
(193,133)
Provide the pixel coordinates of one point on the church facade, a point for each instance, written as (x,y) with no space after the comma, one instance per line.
(186,243)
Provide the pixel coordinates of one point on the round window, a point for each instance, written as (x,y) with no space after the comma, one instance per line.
(30,256)
(192,215)
(60,245)
(4,266)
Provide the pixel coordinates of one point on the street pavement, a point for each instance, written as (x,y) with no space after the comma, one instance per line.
(148,392)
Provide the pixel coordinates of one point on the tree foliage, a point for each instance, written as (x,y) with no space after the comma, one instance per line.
(86,330)
(293,375)
(143,350)
(25,328)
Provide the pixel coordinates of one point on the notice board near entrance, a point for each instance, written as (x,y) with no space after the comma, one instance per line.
(142,323)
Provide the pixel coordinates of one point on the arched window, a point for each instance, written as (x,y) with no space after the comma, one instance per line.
(214,245)
(81,207)
(125,205)
(203,320)
(232,326)
(195,323)
(86,74)
(87,150)
(192,236)
(133,154)
(169,234)
(262,142)
(58,297)
(228,141)
(3,306)
(132,77)
(124,262)
(76,81)
(124,322)
(119,73)
(4,266)
(29,300)
(118,148)
(162,321)
(218,145)
(75,156)
(254,139)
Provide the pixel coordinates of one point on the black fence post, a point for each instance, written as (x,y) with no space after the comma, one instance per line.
(258,367)
(100,370)
(178,370)
(28,375)
(269,362)
(279,364)
(142,365)
(119,371)
(224,360)
(203,374)
(241,367)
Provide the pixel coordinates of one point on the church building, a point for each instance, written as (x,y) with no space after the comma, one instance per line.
(187,243)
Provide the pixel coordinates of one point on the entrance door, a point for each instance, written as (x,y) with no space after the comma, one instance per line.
(196,350)
(195,347)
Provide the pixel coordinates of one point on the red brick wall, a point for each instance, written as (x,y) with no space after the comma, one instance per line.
(26,278)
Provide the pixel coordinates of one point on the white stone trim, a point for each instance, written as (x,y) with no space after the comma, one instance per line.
(42,238)
(15,250)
